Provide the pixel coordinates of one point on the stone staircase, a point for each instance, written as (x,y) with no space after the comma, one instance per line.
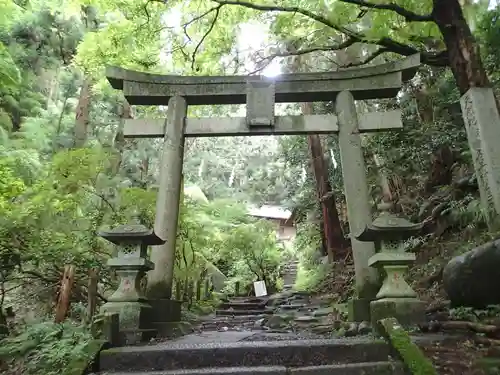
(238,312)
(233,341)
(289,274)
(298,357)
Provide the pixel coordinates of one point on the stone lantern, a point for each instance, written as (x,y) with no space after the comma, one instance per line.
(131,265)
(395,298)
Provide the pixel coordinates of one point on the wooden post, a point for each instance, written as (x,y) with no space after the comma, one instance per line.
(190,293)
(178,290)
(63,301)
(206,291)
(198,289)
(92,294)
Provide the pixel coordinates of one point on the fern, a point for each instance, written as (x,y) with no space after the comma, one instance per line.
(46,347)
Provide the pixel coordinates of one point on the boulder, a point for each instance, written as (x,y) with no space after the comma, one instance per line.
(277,322)
(470,279)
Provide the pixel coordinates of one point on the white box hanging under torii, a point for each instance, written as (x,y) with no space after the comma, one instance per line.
(260,288)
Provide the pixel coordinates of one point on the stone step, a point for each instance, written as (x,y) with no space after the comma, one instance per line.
(225,318)
(231,321)
(364,368)
(239,312)
(242,305)
(247,299)
(292,353)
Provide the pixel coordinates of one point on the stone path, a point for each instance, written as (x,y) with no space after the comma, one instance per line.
(290,274)
(286,333)
(338,356)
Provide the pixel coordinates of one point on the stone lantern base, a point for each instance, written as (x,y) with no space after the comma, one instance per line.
(408,311)
(165,310)
(134,320)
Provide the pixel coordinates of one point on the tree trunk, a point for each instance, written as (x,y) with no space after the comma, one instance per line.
(333,233)
(82,119)
(385,186)
(82,114)
(119,141)
(463,51)
(332,230)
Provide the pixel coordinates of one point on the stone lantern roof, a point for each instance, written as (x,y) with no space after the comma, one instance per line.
(389,227)
(131,233)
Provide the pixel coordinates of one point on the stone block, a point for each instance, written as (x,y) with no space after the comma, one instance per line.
(482,122)
(165,310)
(110,330)
(291,353)
(359,309)
(409,312)
(260,102)
(133,317)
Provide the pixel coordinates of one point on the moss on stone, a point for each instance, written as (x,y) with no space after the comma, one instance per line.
(80,365)
(490,366)
(411,355)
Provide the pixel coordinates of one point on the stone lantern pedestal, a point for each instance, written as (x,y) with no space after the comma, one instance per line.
(131,265)
(395,298)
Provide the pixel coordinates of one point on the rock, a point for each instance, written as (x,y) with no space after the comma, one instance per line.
(337,324)
(468,279)
(341,332)
(306,319)
(323,312)
(305,322)
(259,323)
(364,328)
(322,329)
(352,330)
(279,298)
(292,307)
(277,322)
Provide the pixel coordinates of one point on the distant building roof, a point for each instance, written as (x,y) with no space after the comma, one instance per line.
(270,212)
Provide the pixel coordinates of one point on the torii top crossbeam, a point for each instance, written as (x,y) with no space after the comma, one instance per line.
(372,82)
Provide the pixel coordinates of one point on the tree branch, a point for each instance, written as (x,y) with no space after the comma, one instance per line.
(408,15)
(289,9)
(390,45)
(435,59)
(387,44)
(211,27)
(268,59)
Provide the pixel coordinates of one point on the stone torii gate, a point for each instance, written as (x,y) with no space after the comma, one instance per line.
(260,95)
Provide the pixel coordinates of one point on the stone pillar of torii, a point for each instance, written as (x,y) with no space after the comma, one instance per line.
(260,95)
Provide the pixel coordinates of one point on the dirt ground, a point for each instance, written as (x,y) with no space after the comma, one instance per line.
(462,356)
